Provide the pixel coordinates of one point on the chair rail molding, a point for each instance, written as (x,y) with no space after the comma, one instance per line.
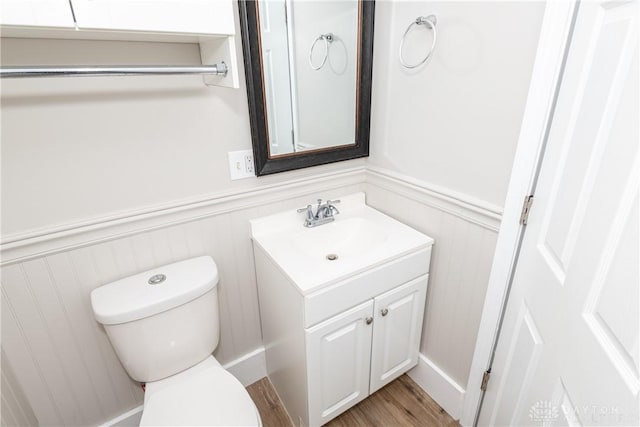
(62,237)
(461,205)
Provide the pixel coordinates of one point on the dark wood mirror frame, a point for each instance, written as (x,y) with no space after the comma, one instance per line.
(249,24)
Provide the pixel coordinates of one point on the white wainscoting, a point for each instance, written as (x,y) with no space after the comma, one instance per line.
(61,355)
(63,359)
(15,409)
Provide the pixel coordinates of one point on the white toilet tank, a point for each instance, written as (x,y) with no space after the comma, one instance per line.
(164,320)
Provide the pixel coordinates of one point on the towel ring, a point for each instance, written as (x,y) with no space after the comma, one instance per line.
(420,20)
(328,38)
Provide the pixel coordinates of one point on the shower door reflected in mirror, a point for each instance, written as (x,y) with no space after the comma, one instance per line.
(309,57)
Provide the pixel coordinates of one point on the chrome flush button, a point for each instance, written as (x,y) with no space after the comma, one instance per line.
(156,279)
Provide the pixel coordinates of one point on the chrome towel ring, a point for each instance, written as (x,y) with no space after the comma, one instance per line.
(328,38)
(430,21)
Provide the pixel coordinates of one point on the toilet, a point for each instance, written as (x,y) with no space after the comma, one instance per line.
(164,326)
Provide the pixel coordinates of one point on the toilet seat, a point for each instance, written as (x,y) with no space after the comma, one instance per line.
(205,394)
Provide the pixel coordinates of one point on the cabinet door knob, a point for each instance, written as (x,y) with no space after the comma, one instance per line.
(384,311)
(368,320)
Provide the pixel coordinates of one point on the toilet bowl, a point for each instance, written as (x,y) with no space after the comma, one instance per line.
(206,394)
(164,326)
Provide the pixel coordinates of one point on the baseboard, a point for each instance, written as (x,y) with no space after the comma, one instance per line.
(248,369)
(128,419)
(437,384)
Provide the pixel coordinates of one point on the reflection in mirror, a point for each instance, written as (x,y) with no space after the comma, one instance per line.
(309,54)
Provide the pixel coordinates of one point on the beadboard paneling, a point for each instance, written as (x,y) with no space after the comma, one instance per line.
(62,357)
(64,362)
(15,408)
(459,272)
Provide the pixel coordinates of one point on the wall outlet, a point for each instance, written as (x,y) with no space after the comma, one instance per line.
(241,164)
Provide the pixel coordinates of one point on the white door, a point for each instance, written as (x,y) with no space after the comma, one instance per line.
(396,335)
(568,350)
(338,361)
(277,76)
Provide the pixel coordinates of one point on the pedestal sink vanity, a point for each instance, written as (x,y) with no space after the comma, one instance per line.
(341,305)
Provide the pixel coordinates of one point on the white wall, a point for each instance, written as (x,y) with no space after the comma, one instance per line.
(453,123)
(326,98)
(78,149)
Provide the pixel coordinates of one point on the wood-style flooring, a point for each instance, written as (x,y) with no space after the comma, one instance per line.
(400,403)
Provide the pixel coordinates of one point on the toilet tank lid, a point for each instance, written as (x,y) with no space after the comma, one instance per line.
(136,297)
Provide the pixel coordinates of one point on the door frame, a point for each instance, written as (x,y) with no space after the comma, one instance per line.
(553,47)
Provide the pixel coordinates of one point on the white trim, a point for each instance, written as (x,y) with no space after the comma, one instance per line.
(463,206)
(36,243)
(438,385)
(129,418)
(545,81)
(248,368)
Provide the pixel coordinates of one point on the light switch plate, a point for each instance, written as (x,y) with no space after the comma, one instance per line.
(241,164)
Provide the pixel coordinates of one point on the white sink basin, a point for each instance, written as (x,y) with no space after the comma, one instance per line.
(360,238)
(349,237)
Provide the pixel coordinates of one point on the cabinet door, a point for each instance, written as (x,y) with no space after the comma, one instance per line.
(174,16)
(37,13)
(338,362)
(398,318)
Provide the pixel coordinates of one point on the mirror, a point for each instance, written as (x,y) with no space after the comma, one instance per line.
(308,71)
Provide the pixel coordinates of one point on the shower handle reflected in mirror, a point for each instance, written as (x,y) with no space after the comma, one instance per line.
(308,70)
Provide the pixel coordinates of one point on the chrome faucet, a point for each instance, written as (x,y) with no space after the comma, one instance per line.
(324,213)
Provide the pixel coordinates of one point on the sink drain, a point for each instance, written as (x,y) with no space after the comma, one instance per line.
(332,257)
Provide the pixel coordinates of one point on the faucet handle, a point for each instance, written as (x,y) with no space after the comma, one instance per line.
(332,208)
(309,212)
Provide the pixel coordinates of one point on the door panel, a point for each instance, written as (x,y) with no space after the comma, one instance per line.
(338,358)
(396,335)
(277,74)
(577,280)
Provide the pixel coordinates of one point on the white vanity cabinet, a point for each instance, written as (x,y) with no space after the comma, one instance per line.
(341,306)
(355,353)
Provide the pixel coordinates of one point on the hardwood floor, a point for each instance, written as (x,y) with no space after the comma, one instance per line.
(401,403)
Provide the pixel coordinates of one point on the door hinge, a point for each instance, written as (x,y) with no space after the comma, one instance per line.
(526,208)
(485,380)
